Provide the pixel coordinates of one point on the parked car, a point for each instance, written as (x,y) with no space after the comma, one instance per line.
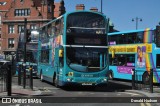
(34,70)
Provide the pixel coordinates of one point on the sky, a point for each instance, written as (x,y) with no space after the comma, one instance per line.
(121,12)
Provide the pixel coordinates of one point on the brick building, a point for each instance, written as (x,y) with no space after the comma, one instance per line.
(13,13)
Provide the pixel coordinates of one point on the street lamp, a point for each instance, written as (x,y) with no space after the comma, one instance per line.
(136,19)
(101,6)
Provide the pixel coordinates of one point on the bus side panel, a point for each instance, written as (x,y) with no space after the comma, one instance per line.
(148,62)
(122,72)
(47,71)
(156,61)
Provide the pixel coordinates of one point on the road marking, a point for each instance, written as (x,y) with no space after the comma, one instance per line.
(142,104)
(145,104)
(53,88)
(148,104)
(105,94)
(133,94)
(118,94)
(80,92)
(47,89)
(50,88)
(92,93)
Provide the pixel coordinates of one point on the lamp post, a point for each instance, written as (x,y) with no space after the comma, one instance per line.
(101,6)
(24,57)
(136,19)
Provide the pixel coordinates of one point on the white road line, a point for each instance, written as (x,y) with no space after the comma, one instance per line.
(50,88)
(145,104)
(133,94)
(148,104)
(118,94)
(142,104)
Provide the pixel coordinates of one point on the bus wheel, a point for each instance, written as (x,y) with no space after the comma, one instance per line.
(146,78)
(55,81)
(41,76)
(110,75)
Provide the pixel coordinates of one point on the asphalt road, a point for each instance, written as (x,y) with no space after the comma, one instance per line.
(113,94)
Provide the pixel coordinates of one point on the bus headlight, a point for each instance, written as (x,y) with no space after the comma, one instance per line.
(104,80)
(69,79)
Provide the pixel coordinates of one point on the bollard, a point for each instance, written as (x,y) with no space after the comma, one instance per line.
(24,75)
(133,78)
(31,77)
(19,74)
(151,80)
(9,81)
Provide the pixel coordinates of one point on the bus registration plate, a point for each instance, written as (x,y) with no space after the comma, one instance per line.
(87,83)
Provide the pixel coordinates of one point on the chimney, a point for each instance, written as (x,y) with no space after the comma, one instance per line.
(62,9)
(80,7)
(94,9)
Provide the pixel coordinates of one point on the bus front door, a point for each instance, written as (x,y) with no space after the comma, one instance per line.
(58,62)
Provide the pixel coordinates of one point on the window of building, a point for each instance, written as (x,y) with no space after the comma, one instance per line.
(3,3)
(10,42)
(0,20)
(0,45)
(20,28)
(22,12)
(11,29)
(49,8)
(32,27)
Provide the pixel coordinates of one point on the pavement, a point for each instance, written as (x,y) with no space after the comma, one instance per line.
(154,96)
(20,91)
(156,92)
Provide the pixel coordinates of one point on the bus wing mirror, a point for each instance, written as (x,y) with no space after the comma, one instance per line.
(61,53)
(113,54)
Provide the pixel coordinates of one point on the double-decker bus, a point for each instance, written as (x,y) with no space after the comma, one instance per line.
(72,49)
(135,49)
(31,52)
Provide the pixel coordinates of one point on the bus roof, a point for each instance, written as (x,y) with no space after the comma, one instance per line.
(67,13)
(129,31)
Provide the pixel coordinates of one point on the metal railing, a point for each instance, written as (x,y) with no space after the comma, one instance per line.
(144,80)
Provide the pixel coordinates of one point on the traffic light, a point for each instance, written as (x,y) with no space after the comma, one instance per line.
(28,36)
(158,36)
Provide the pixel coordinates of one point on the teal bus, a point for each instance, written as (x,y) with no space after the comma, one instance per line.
(135,49)
(31,52)
(72,49)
